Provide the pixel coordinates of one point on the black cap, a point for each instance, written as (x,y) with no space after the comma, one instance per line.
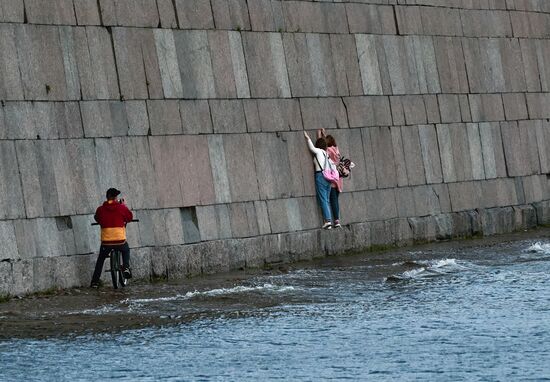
(112,193)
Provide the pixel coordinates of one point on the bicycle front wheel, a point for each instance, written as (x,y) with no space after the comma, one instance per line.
(115,266)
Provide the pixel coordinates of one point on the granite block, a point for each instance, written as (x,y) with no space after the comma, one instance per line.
(194,14)
(465,195)
(167,14)
(450,64)
(96,63)
(449,108)
(284,215)
(528,136)
(409,20)
(426,64)
(57,12)
(380,204)
(402,72)
(140,173)
(228,116)
(107,10)
(11,85)
(513,68)
(168,63)
(7,237)
(328,113)
(515,106)
(164,117)
(371,19)
(266,15)
(413,155)
(219,169)
(476,153)
(446,151)
(242,188)
(465,112)
(138,119)
(12,11)
(195,117)
(441,21)
(486,23)
(231,14)
(70,63)
(404,200)
(414,109)
(426,201)
(260,208)
(397,111)
(309,63)
(423,229)
(430,153)
(300,180)
(11,199)
(497,220)
(239,65)
(104,118)
(538,105)
(86,237)
(514,149)
(535,188)
(137,13)
(41,63)
(530,58)
(486,107)
(542,131)
(277,115)
(106,154)
(432,108)
(19,121)
(137,63)
(368,111)
(195,64)
(383,157)
(543,212)
(373,72)
(399,156)
(346,65)
(266,65)
(273,165)
(244,222)
(525,217)
(493,155)
(301,16)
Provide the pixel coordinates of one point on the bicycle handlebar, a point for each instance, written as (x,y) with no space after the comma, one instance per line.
(131,221)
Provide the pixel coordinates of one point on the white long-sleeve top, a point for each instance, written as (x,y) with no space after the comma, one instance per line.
(320,156)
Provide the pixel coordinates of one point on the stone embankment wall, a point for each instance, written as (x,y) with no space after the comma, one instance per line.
(195,109)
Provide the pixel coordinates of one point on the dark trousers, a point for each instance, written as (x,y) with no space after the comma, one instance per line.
(104,251)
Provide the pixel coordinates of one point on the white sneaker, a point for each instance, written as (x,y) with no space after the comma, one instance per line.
(327,225)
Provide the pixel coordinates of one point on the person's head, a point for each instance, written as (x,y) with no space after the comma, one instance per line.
(321,143)
(330,141)
(112,193)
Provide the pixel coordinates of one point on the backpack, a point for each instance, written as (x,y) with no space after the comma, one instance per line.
(344,166)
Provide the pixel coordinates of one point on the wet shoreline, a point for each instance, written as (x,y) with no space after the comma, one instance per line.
(83,311)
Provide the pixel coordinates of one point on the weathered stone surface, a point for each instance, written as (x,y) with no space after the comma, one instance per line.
(96,63)
(7,237)
(372,19)
(11,86)
(404,200)
(194,14)
(219,169)
(228,116)
(284,215)
(164,117)
(515,106)
(465,195)
(399,156)
(528,134)
(426,63)
(516,148)
(41,63)
(244,222)
(241,188)
(476,157)
(137,13)
(137,63)
(266,15)
(138,119)
(266,65)
(195,117)
(309,61)
(12,11)
(414,109)
(423,229)
(432,108)
(525,217)
(383,157)
(486,23)
(346,65)
(409,20)
(397,111)
(231,14)
(167,14)
(270,115)
(380,204)
(449,107)
(486,107)
(413,155)
(530,59)
(368,111)
(498,193)
(373,66)
(402,71)
(441,21)
(493,155)
(543,212)
(50,12)
(11,199)
(328,113)
(497,220)
(535,188)
(455,153)
(543,142)
(426,201)
(302,16)
(537,105)
(104,118)
(168,63)
(451,65)
(430,153)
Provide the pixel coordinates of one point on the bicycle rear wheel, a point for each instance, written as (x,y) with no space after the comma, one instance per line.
(113,257)
(122,281)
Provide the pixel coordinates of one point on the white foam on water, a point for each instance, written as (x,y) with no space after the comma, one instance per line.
(98,311)
(430,268)
(539,247)
(215,293)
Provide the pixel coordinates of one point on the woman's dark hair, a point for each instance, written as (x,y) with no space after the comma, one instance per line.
(330,141)
(321,143)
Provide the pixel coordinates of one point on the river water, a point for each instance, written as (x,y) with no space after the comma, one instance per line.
(471,310)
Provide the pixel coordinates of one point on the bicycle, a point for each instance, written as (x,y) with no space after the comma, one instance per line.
(115,260)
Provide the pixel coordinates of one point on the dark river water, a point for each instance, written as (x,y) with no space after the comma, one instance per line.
(472,310)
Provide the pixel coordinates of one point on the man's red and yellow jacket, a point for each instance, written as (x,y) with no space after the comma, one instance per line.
(112,216)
